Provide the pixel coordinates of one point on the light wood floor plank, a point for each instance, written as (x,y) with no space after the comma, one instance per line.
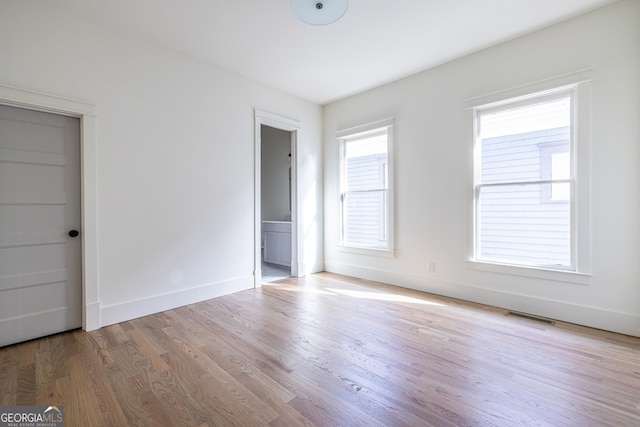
(330,350)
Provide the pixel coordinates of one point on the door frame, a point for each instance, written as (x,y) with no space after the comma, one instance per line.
(293,126)
(86,113)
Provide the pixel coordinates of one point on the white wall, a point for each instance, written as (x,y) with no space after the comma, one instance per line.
(433,162)
(175,159)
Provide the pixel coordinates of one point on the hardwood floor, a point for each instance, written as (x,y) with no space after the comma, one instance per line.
(328,350)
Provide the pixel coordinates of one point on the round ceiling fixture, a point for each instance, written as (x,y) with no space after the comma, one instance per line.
(319,12)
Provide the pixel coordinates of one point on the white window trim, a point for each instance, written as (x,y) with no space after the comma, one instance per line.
(580,84)
(353,133)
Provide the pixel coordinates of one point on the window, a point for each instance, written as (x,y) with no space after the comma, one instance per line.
(555,166)
(366,196)
(527,175)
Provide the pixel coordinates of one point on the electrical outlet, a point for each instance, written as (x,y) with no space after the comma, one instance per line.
(431,266)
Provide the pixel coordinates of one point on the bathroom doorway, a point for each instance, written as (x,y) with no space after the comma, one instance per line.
(275,203)
(276,255)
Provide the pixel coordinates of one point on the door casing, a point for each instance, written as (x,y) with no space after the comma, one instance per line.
(272,120)
(86,112)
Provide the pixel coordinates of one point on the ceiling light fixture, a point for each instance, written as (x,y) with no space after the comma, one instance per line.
(319,12)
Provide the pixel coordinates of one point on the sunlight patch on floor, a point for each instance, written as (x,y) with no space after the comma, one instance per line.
(379,296)
(295,288)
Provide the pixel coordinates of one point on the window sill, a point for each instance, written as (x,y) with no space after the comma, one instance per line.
(385,253)
(533,272)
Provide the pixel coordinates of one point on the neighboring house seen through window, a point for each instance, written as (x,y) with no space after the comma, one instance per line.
(366,191)
(525,181)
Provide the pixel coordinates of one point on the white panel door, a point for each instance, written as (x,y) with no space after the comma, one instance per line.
(40,263)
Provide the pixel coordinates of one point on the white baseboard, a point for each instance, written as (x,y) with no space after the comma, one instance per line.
(594,317)
(305,269)
(122,312)
(91,316)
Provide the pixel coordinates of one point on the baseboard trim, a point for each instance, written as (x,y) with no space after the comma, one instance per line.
(91,316)
(593,317)
(305,269)
(122,312)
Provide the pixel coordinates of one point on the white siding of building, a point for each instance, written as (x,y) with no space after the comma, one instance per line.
(516,222)
(364,217)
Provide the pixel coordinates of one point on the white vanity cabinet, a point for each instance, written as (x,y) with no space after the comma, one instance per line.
(277,242)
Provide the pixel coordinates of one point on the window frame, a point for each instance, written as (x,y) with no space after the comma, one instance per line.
(578,85)
(355,134)
(479,184)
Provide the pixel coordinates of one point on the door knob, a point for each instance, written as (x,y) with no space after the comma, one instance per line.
(73,233)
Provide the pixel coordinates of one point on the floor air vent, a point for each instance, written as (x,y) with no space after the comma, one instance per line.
(530,317)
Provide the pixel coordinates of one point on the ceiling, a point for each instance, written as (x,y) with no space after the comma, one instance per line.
(377,41)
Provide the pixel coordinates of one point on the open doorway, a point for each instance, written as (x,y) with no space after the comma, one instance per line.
(275,203)
(276,226)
